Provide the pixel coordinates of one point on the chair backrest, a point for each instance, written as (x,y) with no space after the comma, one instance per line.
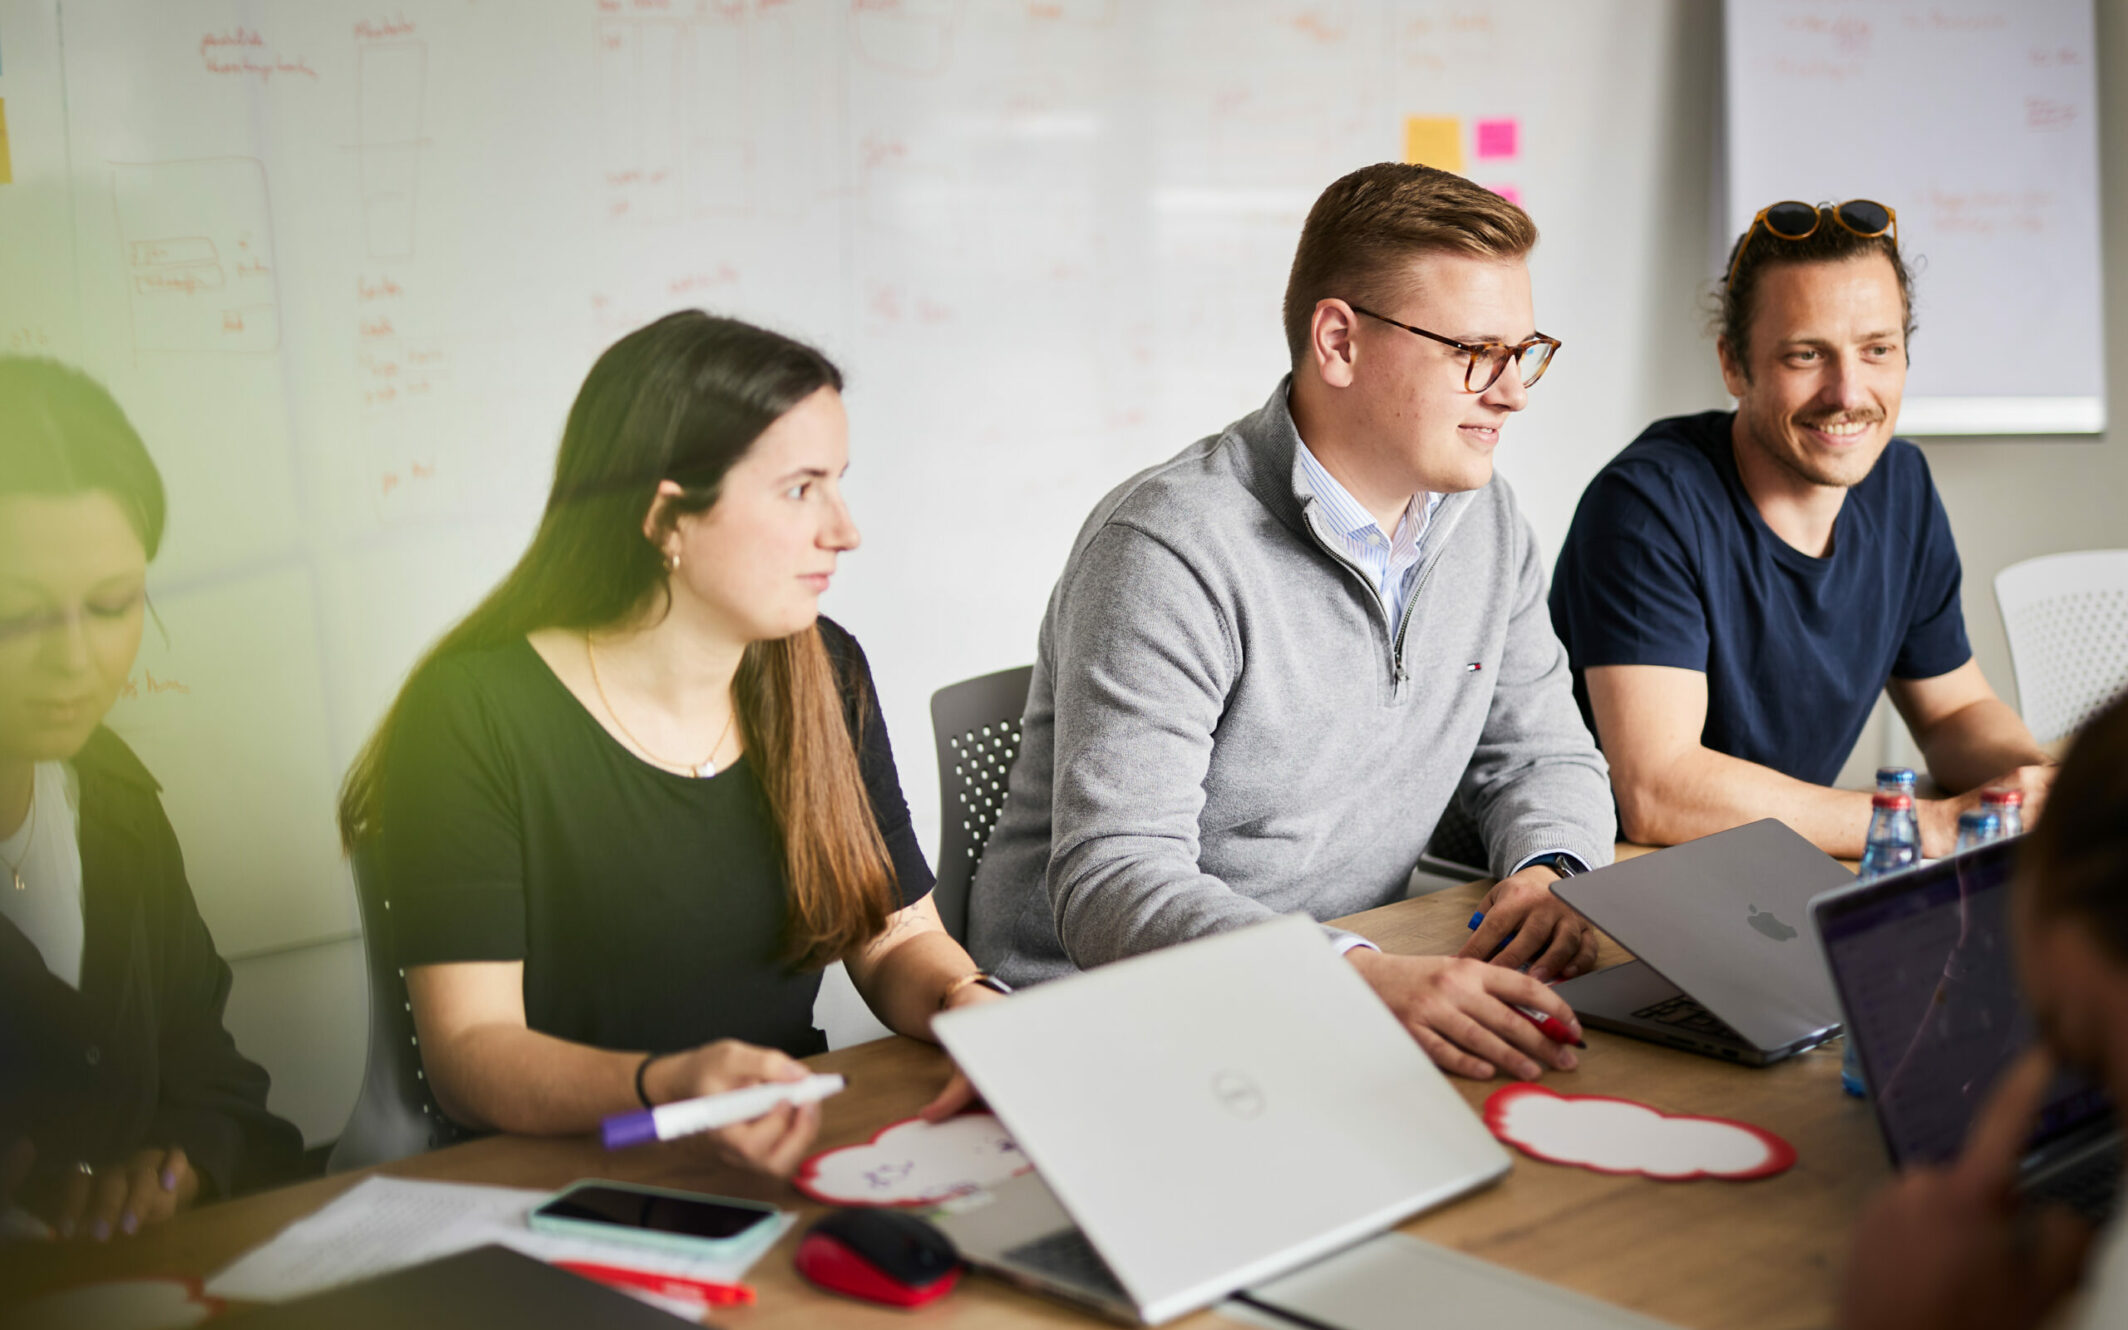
(395,1115)
(2066,616)
(976,724)
(1456,850)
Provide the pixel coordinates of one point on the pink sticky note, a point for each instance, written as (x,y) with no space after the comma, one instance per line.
(1508,192)
(1498,139)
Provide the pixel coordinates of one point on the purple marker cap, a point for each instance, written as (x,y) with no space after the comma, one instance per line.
(625,1129)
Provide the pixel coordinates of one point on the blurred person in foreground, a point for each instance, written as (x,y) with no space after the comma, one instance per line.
(1954,1247)
(122,1098)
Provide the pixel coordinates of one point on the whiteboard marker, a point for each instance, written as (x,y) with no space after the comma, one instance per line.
(685,1117)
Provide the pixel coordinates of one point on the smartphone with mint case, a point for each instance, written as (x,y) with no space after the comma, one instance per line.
(682,1222)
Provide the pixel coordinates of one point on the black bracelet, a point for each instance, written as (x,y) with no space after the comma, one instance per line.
(640,1068)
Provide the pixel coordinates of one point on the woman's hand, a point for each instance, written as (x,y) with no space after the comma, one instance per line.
(147,1187)
(774,1143)
(960,1091)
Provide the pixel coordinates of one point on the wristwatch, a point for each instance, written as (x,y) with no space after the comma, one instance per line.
(1560,862)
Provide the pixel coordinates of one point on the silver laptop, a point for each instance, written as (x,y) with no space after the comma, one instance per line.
(1396,1281)
(1924,967)
(1727,966)
(1203,1118)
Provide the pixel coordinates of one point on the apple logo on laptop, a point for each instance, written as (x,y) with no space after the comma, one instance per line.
(1238,1094)
(1770,926)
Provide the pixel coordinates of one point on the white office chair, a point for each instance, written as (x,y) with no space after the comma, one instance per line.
(2067,619)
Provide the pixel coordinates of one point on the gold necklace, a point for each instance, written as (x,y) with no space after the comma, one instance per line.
(702,770)
(29,840)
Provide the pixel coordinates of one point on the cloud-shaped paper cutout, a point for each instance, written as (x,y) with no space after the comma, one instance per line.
(1607,1135)
(914,1162)
(120,1304)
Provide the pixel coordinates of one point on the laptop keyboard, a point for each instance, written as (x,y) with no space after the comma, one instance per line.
(2091,1187)
(1683,1013)
(1068,1257)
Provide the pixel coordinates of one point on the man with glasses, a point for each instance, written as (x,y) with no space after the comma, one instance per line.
(1738,587)
(1274,660)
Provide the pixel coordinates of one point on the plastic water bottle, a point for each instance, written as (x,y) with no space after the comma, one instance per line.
(2009,809)
(1894,837)
(1977,826)
(1894,843)
(1895,780)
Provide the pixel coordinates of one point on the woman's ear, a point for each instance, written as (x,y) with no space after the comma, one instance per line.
(658,526)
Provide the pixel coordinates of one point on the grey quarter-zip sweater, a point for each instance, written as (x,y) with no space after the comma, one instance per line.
(1225,724)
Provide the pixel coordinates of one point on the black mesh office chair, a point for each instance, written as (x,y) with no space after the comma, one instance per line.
(1456,850)
(395,1115)
(976,724)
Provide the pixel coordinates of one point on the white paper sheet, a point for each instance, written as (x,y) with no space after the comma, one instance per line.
(384,1224)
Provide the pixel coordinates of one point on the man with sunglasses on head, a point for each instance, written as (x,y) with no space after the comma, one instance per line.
(1738,587)
(1274,660)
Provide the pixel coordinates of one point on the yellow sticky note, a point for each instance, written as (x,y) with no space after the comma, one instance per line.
(1434,140)
(7,166)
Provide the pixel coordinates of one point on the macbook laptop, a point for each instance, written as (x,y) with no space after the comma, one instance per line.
(1203,1118)
(1720,926)
(485,1286)
(1923,964)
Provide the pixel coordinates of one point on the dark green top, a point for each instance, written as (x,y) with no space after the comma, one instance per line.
(648,908)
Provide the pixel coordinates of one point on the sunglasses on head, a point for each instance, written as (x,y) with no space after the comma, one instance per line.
(1794,220)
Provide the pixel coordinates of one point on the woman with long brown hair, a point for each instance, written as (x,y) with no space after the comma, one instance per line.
(632,804)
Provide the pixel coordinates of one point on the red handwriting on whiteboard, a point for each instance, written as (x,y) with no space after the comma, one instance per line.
(231,37)
(376,328)
(873,153)
(383,288)
(2045,113)
(134,687)
(372,30)
(392,480)
(725,275)
(242,51)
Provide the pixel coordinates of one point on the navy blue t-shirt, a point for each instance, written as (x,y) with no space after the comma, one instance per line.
(1669,563)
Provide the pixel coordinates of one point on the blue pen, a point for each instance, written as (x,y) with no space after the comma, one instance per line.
(1479,918)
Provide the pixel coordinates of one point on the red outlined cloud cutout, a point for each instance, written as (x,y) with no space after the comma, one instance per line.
(913,1162)
(1618,1136)
(120,1304)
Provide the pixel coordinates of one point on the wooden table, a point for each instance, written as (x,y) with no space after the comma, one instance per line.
(1757,1254)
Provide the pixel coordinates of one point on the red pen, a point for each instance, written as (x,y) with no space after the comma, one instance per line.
(670,1286)
(1551,1026)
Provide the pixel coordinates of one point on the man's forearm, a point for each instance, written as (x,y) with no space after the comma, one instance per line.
(1976,744)
(1701,792)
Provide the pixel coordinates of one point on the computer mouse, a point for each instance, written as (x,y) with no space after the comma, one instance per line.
(888,1256)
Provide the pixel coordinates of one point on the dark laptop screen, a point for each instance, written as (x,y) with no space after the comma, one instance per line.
(1927,978)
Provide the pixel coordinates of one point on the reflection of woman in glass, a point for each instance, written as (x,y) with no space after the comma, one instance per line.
(631,805)
(119,1087)
(1971,1014)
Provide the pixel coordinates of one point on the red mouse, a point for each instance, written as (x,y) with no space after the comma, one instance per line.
(888,1256)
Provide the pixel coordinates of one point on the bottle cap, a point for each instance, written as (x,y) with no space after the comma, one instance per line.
(1891,799)
(1895,775)
(2003,798)
(1977,818)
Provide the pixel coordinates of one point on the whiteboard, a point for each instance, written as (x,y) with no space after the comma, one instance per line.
(345,264)
(1978,121)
